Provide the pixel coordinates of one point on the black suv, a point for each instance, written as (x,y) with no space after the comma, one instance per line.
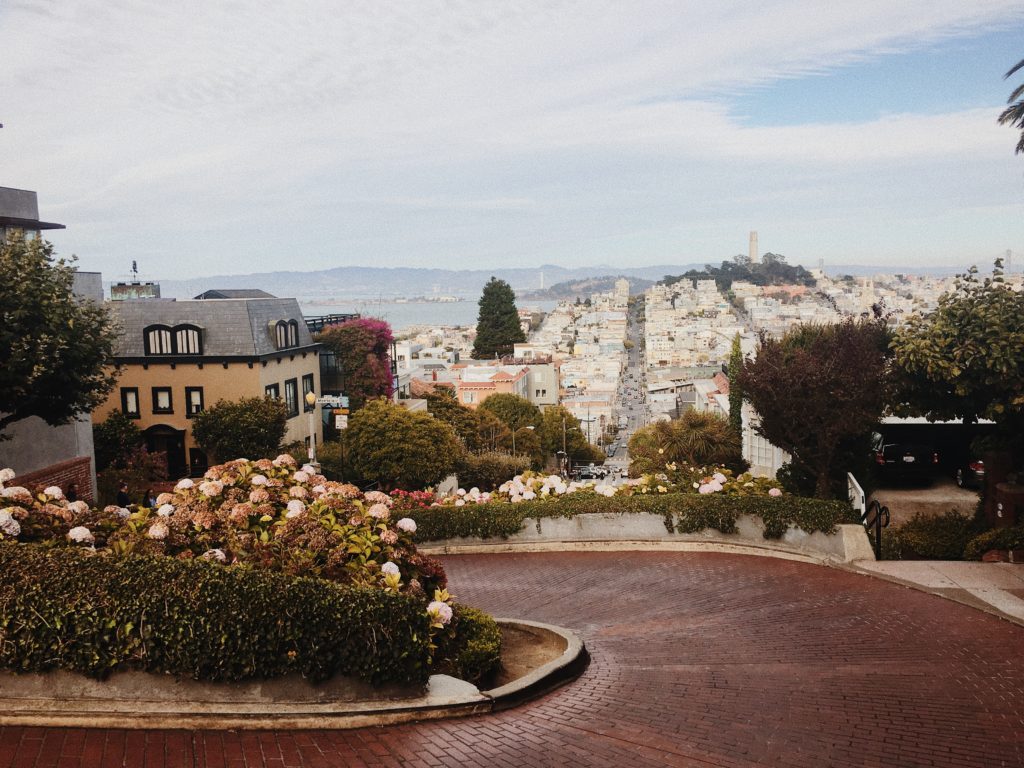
(903,461)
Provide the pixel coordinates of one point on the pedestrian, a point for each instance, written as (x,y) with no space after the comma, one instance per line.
(149,498)
(72,492)
(123,499)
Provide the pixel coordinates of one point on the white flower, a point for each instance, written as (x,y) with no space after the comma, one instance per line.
(774,492)
(309,469)
(460,502)
(461,492)
(123,513)
(718,476)
(301,477)
(390,568)
(379,511)
(8,525)
(81,534)
(529,495)
(158,530)
(18,493)
(440,612)
(284,460)
(258,480)
(184,484)
(78,507)
(6,474)
(295,508)
(215,554)
(211,488)
(54,492)
(319,490)
(706,488)
(166,510)
(406,524)
(515,498)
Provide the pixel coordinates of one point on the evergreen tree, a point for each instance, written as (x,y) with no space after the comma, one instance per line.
(735,390)
(497,326)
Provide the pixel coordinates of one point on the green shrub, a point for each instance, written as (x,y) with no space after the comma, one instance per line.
(685,513)
(930,537)
(63,609)
(487,471)
(997,538)
(471,648)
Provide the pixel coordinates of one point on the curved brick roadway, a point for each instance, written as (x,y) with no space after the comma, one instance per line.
(698,660)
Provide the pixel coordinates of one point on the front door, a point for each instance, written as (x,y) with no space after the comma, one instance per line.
(170,441)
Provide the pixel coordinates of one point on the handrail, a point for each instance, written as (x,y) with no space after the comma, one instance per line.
(874,517)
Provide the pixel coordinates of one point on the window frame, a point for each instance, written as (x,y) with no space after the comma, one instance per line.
(137,413)
(147,339)
(188,330)
(170,400)
(291,402)
(272,390)
(189,413)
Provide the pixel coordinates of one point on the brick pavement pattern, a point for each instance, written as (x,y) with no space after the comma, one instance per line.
(698,659)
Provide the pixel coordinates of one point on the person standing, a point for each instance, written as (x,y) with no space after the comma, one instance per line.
(123,500)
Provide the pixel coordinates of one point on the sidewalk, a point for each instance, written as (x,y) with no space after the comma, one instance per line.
(996,588)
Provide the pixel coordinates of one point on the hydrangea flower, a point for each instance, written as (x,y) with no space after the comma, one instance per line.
(54,492)
(295,508)
(217,555)
(377,497)
(184,484)
(81,535)
(158,530)
(166,510)
(389,537)
(298,492)
(390,568)
(379,511)
(301,477)
(439,612)
(259,496)
(164,498)
(17,493)
(719,477)
(285,460)
(6,475)
(406,524)
(78,507)
(258,480)
(309,469)
(211,488)
(774,492)
(8,525)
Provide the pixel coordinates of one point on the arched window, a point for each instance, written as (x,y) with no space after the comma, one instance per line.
(281,333)
(293,333)
(157,340)
(188,340)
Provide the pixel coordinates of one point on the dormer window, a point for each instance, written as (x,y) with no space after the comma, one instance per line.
(286,333)
(179,340)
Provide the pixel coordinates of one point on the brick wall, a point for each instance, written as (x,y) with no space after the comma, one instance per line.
(62,474)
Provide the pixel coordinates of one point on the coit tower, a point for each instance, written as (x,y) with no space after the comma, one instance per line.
(753,247)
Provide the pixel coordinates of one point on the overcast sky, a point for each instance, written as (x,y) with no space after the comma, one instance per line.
(210,137)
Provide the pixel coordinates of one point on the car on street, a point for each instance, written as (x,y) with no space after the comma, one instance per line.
(903,460)
(971,473)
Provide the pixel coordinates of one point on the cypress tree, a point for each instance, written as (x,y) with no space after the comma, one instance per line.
(497,326)
(735,392)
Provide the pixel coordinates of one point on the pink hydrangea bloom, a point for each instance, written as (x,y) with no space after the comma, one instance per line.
(54,492)
(295,508)
(440,611)
(81,535)
(774,492)
(301,477)
(406,524)
(258,480)
(390,568)
(158,530)
(389,537)
(379,511)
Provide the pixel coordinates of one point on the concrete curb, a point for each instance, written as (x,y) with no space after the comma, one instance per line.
(446,697)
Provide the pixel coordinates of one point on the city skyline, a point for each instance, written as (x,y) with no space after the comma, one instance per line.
(203,142)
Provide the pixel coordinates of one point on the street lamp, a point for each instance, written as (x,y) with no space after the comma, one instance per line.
(530,427)
(311,402)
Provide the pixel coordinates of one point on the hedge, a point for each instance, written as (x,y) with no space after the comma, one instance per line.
(683,513)
(997,538)
(930,537)
(472,651)
(61,608)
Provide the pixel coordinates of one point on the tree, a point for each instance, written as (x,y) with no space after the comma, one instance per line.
(818,388)
(965,360)
(396,448)
(443,405)
(252,428)
(698,438)
(362,348)
(56,350)
(735,390)
(514,411)
(1014,113)
(497,326)
(559,427)
(114,439)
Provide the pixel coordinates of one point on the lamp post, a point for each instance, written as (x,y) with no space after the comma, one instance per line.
(530,427)
(311,402)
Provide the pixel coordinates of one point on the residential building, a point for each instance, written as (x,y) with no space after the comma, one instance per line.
(180,357)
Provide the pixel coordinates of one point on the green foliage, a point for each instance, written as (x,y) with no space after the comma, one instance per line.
(818,389)
(139,470)
(331,456)
(113,440)
(497,327)
(1014,113)
(471,647)
(930,537)
(251,427)
(552,422)
(442,404)
(997,538)
(362,349)
(966,359)
(56,351)
(696,438)
(514,411)
(389,445)
(487,471)
(685,513)
(735,390)
(773,270)
(63,609)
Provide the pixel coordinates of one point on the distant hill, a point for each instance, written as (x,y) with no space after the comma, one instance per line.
(389,282)
(573,289)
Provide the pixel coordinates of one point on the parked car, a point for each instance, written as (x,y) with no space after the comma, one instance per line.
(971,474)
(903,461)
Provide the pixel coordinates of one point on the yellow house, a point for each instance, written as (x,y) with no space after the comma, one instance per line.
(179,357)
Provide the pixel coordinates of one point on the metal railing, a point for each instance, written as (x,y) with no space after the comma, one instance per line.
(876,516)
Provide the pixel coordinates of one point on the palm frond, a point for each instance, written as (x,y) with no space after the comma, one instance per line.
(1019,65)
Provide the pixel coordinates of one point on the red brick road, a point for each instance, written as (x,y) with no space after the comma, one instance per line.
(698,660)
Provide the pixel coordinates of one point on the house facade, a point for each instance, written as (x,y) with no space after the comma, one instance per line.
(178,358)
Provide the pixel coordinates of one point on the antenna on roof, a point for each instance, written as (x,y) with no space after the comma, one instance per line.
(135,271)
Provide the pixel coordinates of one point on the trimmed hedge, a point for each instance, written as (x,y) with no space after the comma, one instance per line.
(997,538)
(61,608)
(471,650)
(930,537)
(683,513)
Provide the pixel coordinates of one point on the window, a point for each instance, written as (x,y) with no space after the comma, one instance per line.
(468,397)
(272,390)
(281,331)
(286,333)
(293,333)
(130,402)
(307,387)
(291,397)
(158,340)
(162,402)
(180,340)
(193,401)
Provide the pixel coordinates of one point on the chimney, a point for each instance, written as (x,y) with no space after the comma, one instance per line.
(753,247)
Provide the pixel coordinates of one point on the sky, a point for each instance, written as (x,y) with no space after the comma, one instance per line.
(213,138)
